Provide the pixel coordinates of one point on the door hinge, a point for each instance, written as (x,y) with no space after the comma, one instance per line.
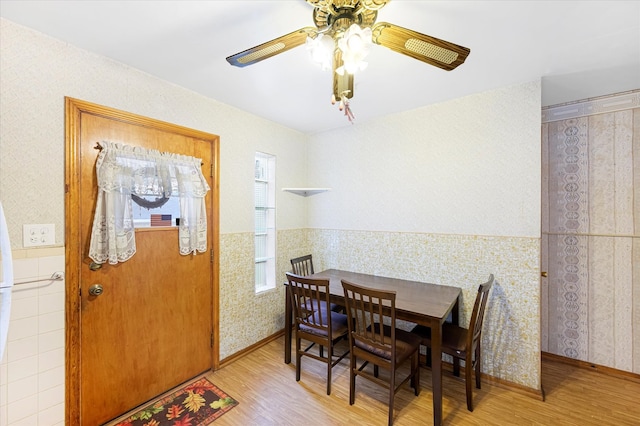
(211,170)
(211,256)
(211,342)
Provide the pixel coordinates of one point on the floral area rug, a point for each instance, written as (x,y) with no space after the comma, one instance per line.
(196,404)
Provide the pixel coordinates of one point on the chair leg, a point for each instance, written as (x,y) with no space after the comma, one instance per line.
(415,367)
(468,368)
(392,390)
(329,365)
(412,382)
(478,365)
(456,366)
(298,360)
(428,356)
(352,379)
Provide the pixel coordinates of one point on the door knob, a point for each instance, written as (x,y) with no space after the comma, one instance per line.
(95,290)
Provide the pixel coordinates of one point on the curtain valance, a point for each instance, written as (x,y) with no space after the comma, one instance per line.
(123,171)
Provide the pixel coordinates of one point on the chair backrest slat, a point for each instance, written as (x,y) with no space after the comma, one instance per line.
(310,299)
(302,265)
(477,316)
(366,307)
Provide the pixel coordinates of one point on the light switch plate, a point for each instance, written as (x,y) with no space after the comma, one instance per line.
(34,235)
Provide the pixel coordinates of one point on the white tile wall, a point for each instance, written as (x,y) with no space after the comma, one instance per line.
(32,369)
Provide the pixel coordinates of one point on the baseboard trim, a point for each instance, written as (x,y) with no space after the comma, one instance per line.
(609,371)
(228,360)
(537,394)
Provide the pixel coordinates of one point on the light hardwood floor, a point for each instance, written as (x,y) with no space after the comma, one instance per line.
(269,395)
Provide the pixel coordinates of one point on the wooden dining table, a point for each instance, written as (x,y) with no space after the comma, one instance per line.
(417,302)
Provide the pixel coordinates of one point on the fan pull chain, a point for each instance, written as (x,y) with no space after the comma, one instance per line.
(343,105)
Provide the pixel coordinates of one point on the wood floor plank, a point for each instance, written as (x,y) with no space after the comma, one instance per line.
(269,395)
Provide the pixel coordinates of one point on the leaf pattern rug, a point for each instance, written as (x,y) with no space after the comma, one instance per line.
(198,403)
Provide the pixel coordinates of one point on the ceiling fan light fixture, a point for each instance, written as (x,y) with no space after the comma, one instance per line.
(321,50)
(344,32)
(351,67)
(354,44)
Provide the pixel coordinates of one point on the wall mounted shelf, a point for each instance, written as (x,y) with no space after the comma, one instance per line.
(305,192)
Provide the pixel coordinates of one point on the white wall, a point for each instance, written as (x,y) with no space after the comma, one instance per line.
(37,73)
(468,166)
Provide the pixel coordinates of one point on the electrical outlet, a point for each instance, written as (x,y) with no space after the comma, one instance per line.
(35,235)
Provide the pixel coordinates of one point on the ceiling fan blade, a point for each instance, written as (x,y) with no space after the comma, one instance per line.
(431,50)
(342,84)
(271,48)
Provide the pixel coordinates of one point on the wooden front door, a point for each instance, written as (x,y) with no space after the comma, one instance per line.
(153,327)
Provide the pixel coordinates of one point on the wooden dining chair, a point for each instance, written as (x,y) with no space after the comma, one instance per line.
(303,266)
(463,343)
(314,323)
(374,338)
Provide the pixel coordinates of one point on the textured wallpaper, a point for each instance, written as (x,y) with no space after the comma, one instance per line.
(455,187)
(39,71)
(591,224)
(468,166)
(237,289)
(511,346)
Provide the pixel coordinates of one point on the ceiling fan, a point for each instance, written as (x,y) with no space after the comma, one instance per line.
(335,32)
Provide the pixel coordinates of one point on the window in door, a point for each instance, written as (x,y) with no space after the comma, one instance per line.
(265,222)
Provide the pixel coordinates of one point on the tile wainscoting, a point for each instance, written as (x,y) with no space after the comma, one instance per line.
(511,337)
(511,340)
(32,376)
(247,317)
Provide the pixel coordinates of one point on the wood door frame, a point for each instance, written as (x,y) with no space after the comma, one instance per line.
(73,256)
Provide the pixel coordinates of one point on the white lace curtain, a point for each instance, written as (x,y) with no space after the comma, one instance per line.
(124,170)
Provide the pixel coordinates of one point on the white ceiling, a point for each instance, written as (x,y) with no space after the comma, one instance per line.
(579,48)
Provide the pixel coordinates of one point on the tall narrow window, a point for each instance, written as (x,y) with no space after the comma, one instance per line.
(265,221)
